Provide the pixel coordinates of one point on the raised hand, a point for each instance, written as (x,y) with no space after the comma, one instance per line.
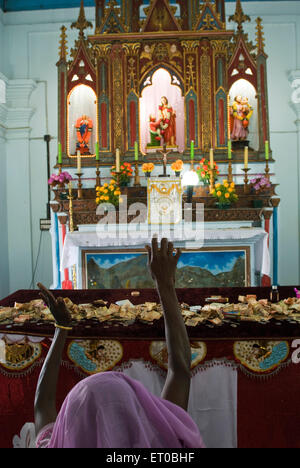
(162,262)
(57,306)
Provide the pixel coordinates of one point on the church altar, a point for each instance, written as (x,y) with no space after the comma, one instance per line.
(170,98)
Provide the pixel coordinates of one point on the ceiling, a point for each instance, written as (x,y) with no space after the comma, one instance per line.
(25,5)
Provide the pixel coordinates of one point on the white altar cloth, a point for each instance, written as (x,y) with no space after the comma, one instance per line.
(257,237)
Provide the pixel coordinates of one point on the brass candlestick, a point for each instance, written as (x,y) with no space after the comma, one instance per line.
(59,168)
(211,180)
(70,198)
(267,170)
(137,182)
(98,179)
(118,175)
(80,196)
(230,171)
(246,180)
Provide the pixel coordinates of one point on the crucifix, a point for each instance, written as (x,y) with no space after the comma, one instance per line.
(165,153)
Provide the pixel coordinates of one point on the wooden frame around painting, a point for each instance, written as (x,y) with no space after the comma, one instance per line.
(197,268)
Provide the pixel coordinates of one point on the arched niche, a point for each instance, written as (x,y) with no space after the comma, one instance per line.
(82,101)
(161,82)
(244,88)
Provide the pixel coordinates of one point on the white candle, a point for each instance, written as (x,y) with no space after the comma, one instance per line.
(246,157)
(78,162)
(117,160)
(211,156)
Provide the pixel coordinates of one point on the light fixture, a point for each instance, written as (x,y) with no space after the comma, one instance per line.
(189,180)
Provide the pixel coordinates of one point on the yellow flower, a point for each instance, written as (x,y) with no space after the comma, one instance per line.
(106,198)
(226,185)
(227,195)
(230,190)
(219,193)
(112,181)
(224,181)
(97,189)
(97,200)
(105,185)
(105,191)
(218,185)
(117,192)
(111,187)
(232,185)
(102,197)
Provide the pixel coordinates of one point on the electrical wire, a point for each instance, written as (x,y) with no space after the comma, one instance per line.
(37,261)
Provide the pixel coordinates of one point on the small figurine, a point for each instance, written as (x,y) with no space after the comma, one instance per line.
(84,128)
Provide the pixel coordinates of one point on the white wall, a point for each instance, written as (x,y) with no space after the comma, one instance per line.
(30,55)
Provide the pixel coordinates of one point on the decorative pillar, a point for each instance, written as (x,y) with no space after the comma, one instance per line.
(275,202)
(267,214)
(18,114)
(294,79)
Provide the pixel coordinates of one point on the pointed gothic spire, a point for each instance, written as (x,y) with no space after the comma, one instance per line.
(260,40)
(239,17)
(81,24)
(63,44)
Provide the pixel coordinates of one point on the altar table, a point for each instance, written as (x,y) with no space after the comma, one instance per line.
(235,402)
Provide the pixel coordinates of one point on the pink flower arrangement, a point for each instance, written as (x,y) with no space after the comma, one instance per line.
(60,179)
(260,183)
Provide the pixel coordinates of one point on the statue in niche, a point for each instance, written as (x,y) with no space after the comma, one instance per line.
(241,112)
(84,128)
(164,127)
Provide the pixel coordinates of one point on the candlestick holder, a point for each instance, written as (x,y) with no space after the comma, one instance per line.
(211,180)
(71,220)
(246,180)
(267,170)
(98,179)
(79,190)
(230,171)
(137,180)
(59,168)
(118,176)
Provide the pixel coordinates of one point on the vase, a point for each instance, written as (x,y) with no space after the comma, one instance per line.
(223,206)
(148,174)
(256,203)
(177,173)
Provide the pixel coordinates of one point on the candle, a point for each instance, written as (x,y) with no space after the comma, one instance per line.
(117,160)
(59,154)
(192,150)
(267,150)
(211,157)
(229,149)
(78,162)
(136,151)
(97,151)
(246,157)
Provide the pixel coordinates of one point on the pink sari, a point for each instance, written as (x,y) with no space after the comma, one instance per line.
(111,410)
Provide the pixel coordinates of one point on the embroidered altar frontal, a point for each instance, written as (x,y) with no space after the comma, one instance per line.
(234,365)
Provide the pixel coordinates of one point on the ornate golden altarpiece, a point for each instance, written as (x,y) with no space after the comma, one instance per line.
(108,71)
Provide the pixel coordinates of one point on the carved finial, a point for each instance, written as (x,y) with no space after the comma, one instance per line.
(260,40)
(63,44)
(239,16)
(81,23)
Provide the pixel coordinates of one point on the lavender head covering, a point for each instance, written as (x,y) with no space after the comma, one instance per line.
(111,410)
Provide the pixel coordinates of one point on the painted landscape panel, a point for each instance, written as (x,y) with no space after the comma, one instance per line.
(196,269)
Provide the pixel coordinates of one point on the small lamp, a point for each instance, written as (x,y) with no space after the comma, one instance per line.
(189,180)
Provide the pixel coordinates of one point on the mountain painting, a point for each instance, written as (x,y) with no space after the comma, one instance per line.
(196,269)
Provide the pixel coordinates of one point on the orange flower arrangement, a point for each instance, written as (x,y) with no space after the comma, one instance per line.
(125,173)
(147,167)
(177,166)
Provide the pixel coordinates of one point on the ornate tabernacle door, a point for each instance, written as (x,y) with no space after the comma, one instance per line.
(164,200)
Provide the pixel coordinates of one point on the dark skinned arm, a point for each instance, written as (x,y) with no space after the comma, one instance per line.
(163,264)
(45,396)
